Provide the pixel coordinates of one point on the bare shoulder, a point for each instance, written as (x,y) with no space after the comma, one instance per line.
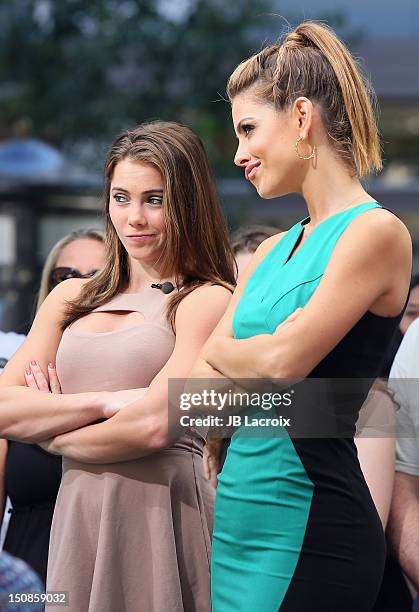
(45,334)
(205,296)
(201,310)
(261,252)
(382,228)
(376,239)
(374,254)
(66,291)
(268,244)
(69,289)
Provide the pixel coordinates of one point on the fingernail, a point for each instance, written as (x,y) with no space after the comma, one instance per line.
(27,371)
(51,365)
(33,362)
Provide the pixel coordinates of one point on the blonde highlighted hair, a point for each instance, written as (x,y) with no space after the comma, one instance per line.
(311,61)
(54,254)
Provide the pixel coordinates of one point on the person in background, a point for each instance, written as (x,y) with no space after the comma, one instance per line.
(375,443)
(9,343)
(412,308)
(403,527)
(394,593)
(18,582)
(245,240)
(29,476)
(80,254)
(411,313)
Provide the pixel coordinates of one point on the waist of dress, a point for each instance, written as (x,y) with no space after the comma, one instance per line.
(31,507)
(186,446)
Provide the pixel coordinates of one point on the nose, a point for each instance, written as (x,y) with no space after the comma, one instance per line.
(136,216)
(242,156)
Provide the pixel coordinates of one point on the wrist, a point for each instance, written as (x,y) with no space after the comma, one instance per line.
(93,402)
(51,446)
(98,403)
(213,350)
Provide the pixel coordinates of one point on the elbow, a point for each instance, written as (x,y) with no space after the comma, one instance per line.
(20,433)
(14,426)
(158,441)
(158,436)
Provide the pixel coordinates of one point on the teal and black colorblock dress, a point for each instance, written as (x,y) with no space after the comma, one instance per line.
(295,528)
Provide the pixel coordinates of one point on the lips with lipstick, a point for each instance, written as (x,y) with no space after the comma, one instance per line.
(140,237)
(251,169)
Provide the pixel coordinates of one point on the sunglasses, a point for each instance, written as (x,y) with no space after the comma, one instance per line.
(58,275)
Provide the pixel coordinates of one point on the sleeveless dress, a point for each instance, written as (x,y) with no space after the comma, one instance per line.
(32,481)
(295,527)
(134,535)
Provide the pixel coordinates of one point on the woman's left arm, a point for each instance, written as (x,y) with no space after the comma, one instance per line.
(143,427)
(370,267)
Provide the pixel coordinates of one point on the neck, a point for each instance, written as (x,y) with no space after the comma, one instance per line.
(143,275)
(329,189)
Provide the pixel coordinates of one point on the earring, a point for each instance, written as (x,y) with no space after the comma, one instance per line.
(313,152)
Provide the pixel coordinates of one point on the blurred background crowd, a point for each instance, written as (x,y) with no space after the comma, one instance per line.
(74,73)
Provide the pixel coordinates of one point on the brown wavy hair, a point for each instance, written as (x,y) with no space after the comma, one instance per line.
(311,61)
(197,249)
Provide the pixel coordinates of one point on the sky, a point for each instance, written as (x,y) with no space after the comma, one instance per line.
(375,18)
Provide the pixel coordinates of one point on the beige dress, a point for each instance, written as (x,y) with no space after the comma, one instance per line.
(135,535)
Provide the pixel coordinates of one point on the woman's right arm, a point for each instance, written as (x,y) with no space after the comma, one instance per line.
(214,446)
(29,415)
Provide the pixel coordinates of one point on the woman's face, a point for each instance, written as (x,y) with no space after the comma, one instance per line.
(84,255)
(266,147)
(136,209)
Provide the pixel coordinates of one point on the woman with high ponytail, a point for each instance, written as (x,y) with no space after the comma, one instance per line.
(295,527)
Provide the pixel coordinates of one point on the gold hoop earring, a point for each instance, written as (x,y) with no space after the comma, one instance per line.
(312,154)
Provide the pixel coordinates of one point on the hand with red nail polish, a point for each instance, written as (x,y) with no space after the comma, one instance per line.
(36,379)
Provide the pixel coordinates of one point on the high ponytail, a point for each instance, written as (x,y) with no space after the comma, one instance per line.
(311,61)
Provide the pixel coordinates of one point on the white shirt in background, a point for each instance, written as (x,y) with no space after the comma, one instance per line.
(404,383)
(9,342)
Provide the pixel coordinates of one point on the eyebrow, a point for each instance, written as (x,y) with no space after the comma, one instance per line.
(242,121)
(148,191)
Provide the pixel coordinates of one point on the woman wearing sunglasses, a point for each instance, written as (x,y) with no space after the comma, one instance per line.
(30,476)
(132,523)
(80,254)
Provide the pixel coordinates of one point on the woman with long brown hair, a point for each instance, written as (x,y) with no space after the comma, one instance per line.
(295,527)
(133,518)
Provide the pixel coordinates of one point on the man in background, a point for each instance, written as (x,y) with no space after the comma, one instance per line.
(403,526)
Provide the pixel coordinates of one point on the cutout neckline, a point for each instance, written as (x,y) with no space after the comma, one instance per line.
(301,224)
(120,303)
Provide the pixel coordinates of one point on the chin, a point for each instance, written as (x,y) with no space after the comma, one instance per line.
(266,191)
(269,194)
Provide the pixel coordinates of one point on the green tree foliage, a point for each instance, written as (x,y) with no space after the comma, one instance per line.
(82,71)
